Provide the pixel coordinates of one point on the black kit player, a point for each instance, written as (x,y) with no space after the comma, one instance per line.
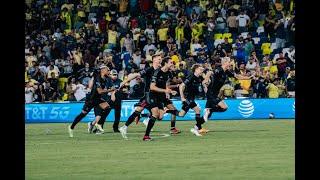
(146,74)
(95,98)
(189,89)
(116,96)
(213,82)
(159,94)
(169,108)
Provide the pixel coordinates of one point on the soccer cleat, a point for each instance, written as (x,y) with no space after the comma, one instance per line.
(175,131)
(147,138)
(123,131)
(195,132)
(99,127)
(203,131)
(70,131)
(116,130)
(90,127)
(99,132)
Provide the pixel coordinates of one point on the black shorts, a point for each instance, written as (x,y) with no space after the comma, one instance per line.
(89,104)
(156,102)
(189,104)
(144,102)
(166,102)
(213,102)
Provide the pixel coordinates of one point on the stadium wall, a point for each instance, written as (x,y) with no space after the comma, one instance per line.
(239,109)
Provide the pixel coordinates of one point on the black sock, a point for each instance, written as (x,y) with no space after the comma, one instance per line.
(174,112)
(199,120)
(77,120)
(173,124)
(117,115)
(132,117)
(173,121)
(145,115)
(150,125)
(104,115)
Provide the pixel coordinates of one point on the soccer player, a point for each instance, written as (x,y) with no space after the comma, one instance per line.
(188,91)
(94,99)
(115,83)
(159,93)
(168,107)
(213,83)
(146,74)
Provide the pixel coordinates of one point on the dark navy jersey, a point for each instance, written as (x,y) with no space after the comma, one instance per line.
(193,84)
(147,74)
(218,79)
(161,79)
(116,83)
(98,82)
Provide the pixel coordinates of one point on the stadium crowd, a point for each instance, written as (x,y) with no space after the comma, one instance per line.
(66,40)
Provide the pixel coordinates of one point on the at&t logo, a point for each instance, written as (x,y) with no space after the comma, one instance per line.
(246,108)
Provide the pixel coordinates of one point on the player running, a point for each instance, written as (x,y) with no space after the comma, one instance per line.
(94,99)
(213,83)
(159,94)
(143,103)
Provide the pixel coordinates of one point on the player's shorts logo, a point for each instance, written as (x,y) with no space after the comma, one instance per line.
(246,108)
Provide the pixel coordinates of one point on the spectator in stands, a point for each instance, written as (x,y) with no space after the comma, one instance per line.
(70,34)
(243,21)
(227,90)
(80,91)
(85,74)
(259,88)
(238,91)
(70,89)
(232,23)
(273,90)
(251,65)
(281,62)
(50,93)
(29,92)
(280,33)
(40,94)
(290,84)
(149,47)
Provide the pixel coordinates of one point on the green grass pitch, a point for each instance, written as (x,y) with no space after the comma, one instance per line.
(246,149)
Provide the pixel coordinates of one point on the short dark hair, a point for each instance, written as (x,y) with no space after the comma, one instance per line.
(195,66)
(165,60)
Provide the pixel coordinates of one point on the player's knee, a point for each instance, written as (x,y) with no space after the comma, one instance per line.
(84,112)
(138,109)
(224,108)
(99,111)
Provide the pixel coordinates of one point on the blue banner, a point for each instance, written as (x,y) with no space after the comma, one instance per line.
(282,108)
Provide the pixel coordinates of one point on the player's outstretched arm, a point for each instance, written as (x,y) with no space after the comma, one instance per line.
(130,78)
(241,77)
